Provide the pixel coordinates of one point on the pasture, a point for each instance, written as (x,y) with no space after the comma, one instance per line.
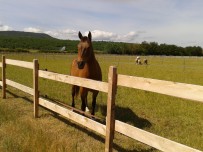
(176,119)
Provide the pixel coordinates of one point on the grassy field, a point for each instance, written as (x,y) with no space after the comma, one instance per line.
(174,118)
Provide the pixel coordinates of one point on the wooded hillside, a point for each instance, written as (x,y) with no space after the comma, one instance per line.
(16,41)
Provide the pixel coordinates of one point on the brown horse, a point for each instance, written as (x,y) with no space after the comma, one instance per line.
(85,66)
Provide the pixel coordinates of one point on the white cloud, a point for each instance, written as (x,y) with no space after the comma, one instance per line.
(110,36)
(97,35)
(5,28)
(129,37)
(62,34)
(32,29)
(103,35)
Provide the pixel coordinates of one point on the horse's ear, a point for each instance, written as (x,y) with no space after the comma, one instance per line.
(90,36)
(80,35)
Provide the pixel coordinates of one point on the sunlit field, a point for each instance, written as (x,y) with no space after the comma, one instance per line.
(174,118)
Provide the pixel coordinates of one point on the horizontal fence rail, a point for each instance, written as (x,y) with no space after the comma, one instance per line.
(186,91)
(20,87)
(89,123)
(150,139)
(182,90)
(23,64)
(88,83)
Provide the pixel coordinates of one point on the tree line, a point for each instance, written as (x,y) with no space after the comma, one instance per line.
(49,44)
(153,48)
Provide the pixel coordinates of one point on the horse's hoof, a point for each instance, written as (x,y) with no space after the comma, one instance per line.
(87,110)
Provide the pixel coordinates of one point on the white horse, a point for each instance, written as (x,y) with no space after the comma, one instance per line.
(138,60)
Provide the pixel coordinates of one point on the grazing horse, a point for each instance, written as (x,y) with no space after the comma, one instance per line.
(145,61)
(138,61)
(85,66)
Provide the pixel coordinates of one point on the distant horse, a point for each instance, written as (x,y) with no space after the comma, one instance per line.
(85,66)
(138,61)
(145,61)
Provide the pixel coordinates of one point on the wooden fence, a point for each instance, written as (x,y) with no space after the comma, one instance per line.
(187,91)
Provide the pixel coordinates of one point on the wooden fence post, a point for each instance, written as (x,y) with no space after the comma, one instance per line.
(35,87)
(3,77)
(110,120)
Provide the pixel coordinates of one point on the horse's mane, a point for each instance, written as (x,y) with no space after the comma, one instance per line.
(85,38)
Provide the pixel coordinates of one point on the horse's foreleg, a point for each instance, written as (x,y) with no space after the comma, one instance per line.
(83,95)
(73,95)
(94,98)
(83,105)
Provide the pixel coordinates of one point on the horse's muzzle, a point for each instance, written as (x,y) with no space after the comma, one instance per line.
(81,64)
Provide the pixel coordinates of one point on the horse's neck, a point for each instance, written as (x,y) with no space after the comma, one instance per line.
(92,57)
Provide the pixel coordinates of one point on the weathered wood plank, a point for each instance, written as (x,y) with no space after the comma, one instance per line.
(78,111)
(20,87)
(3,77)
(88,83)
(110,120)
(181,90)
(23,64)
(35,87)
(150,139)
(91,124)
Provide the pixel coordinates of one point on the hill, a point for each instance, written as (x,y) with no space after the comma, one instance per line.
(24,41)
(15,41)
(17,34)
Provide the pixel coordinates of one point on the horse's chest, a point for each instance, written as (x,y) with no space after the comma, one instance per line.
(85,72)
(88,72)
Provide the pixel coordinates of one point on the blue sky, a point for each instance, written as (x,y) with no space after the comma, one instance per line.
(178,22)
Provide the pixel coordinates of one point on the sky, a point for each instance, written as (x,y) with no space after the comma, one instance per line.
(178,22)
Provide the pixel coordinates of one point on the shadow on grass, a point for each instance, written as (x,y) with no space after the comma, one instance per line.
(97,136)
(122,114)
(126,115)
(17,96)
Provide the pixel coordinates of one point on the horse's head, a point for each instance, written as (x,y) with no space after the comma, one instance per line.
(85,50)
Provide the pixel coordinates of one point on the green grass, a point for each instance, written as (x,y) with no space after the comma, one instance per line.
(174,118)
